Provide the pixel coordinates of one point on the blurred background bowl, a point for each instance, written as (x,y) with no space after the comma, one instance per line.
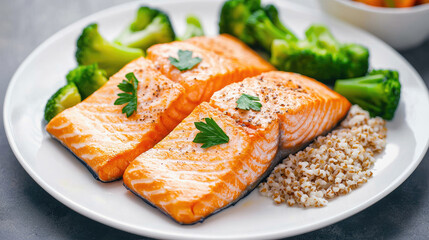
(402,28)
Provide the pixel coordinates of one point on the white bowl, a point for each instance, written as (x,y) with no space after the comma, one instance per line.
(402,28)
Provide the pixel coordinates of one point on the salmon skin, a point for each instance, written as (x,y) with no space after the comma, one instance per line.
(106,141)
(190,183)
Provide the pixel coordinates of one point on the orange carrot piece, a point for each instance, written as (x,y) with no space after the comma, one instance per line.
(375,3)
(404,3)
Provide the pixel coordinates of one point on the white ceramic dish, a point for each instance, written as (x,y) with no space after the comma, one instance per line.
(402,28)
(255,217)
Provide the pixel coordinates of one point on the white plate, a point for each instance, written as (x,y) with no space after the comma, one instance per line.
(66,179)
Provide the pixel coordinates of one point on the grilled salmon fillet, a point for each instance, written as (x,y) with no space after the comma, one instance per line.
(100,135)
(189,183)
(106,141)
(216,70)
(306,108)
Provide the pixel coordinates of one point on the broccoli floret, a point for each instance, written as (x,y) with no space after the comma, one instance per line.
(320,56)
(355,56)
(378,92)
(87,79)
(305,58)
(255,25)
(273,14)
(65,97)
(265,31)
(93,48)
(150,26)
(358,56)
(193,28)
(320,36)
(234,16)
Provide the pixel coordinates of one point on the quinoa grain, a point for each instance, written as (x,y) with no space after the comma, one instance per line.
(331,166)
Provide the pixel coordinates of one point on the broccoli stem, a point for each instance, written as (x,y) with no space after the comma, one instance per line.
(113,57)
(93,48)
(362,87)
(378,92)
(264,30)
(273,14)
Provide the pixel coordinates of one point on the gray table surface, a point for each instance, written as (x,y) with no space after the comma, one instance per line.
(28,212)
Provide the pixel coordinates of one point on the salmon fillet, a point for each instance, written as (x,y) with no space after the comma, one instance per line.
(306,108)
(100,135)
(106,141)
(188,182)
(216,70)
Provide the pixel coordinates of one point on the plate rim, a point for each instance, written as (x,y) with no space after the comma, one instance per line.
(157,233)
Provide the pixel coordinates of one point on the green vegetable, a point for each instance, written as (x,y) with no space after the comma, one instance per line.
(129,95)
(210,133)
(193,28)
(265,31)
(247,102)
(233,19)
(185,61)
(149,27)
(65,97)
(378,92)
(320,56)
(358,57)
(273,15)
(87,79)
(93,48)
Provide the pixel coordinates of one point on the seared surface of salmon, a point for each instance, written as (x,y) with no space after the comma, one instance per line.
(190,183)
(216,70)
(306,108)
(106,141)
(232,48)
(99,134)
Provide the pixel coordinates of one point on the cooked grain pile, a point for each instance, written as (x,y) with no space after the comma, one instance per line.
(332,165)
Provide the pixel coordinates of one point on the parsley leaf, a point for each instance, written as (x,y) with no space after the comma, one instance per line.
(247,102)
(210,133)
(129,95)
(185,61)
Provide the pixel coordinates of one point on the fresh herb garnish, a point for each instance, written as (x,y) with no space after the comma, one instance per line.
(185,61)
(247,102)
(211,134)
(129,95)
